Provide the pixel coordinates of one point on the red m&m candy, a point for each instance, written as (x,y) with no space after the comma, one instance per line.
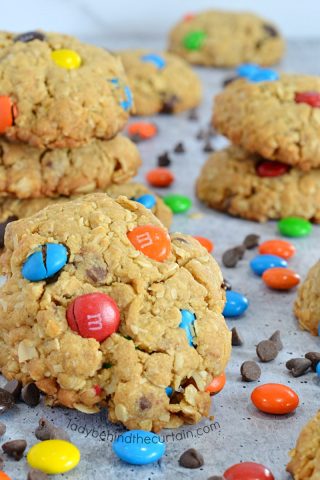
(310,98)
(248,471)
(152,241)
(275,398)
(94,315)
(271,169)
(7,112)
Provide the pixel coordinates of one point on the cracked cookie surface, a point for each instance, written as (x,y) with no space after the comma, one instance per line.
(265,118)
(229,182)
(305,457)
(307,304)
(162,83)
(226,39)
(149,352)
(58,107)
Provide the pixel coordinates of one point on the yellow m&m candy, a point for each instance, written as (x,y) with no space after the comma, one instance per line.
(53,456)
(68,59)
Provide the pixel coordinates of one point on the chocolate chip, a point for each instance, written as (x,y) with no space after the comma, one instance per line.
(37,475)
(201,135)
(250,371)
(179,148)
(241,250)
(314,357)
(298,366)
(169,104)
(164,160)
(47,431)
(208,147)
(271,31)
(275,338)
(145,403)
(136,138)
(31,394)
(3,429)
(231,257)
(251,241)
(226,285)
(191,458)
(29,36)
(97,274)
(14,387)
(15,448)
(267,350)
(229,80)
(216,477)
(6,400)
(3,225)
(236,340)
(193,115)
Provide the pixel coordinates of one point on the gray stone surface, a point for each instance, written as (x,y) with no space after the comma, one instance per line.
(239,432)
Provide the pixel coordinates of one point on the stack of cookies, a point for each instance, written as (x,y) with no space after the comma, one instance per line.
(62,106)
(272,169)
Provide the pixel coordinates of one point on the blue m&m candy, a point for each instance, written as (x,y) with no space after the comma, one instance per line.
(158,61)
(127,103)
(246,70)
(264,75)
(45,263)
(318,369)
(186,323)
(236,304)
(261,263)
(169,391)
(147,200)
(139,447)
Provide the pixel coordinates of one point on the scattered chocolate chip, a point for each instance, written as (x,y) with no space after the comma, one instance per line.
(14,387)
(276,339)
(169,104)
(250,371)
(191,458)
(47,431)
(208,147)
(3,225)
(314,357)
(229,80)
(145,403)
(3,429)
(97,274)
(193,115)
(231,257)
(236,340)
(251,241)
(30,394)
(226,285)
(267,350)
(37,475)
(201,135)
(15,448)
(241,250)
(298,366)
(270,30)
(164,160)
(29,36)
(6,400)
(179,148)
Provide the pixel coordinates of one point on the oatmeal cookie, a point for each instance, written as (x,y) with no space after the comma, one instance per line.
(307,304)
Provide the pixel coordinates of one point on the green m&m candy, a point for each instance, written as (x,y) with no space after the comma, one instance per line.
(294,227)
(177,203)
(194,40)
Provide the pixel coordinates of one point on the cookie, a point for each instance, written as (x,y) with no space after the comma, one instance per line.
(307,304)
(226,39)
(305,457)
(151,318)
(160,82)
(279,119)
(56,92)
(234,181)
(12,207)
(28,172)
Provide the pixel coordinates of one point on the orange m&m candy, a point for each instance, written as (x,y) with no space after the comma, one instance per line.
(205,242)
(275,398)
(160,177)
(280,278)
(143,130)
(282,248)
(4,476)
(217,384)
(152,241)
(6,113)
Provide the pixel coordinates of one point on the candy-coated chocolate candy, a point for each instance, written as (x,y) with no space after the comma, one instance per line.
(275,398)
(188,16)
(318,369)
(267,168)
(160,177)
(147,200)
(264,75)
(217,384)
(143,130)
(247,70)
(53,456)
(236,304)
(139,447)
(158,61)
(126,104)
(186,323)
(294,227)
(280,278)
(29,36)
(65,58)
(7,113)
(152,241)
(194,40)
(4,476)
(205,242)
(261,263)
(93,315)
(169,391)
(310,98)
(177,203)
(281,248)
(248,471)
(45,263)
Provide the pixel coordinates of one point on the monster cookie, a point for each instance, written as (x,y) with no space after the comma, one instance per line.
(226,39)
(279,119)
(13,209)
(160,82)
(26,172)
(246,185)
(57,92)
(102,307)
(305,457)
(307,304)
